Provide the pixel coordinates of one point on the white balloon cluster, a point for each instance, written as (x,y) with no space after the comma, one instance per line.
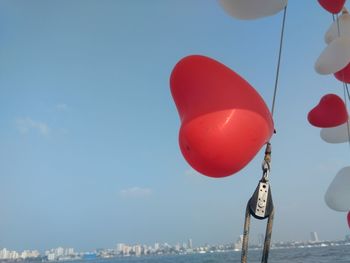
(334,58)
(336,55)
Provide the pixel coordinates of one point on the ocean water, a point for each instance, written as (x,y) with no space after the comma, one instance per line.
(296,255)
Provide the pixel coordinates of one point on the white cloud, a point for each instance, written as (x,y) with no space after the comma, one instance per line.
(62,107)
(25,125)
(135,192)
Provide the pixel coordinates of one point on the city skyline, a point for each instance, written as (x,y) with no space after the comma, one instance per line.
(258,239)
(182,248)
(89,152)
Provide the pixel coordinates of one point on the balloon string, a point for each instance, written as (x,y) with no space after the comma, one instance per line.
(347,90)
(345,87)
(338,27)
(279,62)
(346,106)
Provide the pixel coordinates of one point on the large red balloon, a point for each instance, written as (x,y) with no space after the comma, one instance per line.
(349,219)
(332,6)
(224,121)
(330,112)
(344,74)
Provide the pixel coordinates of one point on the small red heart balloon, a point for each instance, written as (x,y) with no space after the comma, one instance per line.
(224,121)
(332,6)
(349,219)
(344,74)
(330,112)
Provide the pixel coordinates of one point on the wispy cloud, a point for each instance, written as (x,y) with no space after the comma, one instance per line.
(25,125)
(135,192)
(62,107)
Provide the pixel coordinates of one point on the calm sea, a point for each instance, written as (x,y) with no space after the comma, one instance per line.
(302,255)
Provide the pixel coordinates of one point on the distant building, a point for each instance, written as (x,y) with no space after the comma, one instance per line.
(59,251)
(51,257)
(69,251)
(189,244)
(137,250)
(120,247)
(156,246)
(314,237)
(30,254)
(238,245)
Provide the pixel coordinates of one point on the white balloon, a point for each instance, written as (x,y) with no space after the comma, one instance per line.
(335,56)
(337,196)
(252,9)
(337,134)
(344,28)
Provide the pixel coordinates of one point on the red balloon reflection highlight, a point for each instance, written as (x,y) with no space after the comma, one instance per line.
(330,112)
(224,121)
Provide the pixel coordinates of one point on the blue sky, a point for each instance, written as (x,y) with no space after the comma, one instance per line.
(88,130)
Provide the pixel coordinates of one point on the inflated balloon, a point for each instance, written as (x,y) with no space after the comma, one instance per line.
(224,121)
(337,134)
(343,75)
(348,217)
(332,6)
(253,9)
(344,28)
(335,56)
(337,196)
(330,112)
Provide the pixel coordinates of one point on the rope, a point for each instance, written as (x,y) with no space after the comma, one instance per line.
(347,90)
(279,62)
(266,169)
(244,254)
(338,27)
(268,234)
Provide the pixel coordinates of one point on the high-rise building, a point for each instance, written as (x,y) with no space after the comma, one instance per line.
(69,251)
(137,250)
(314,237)
(126,250)
(59,251)
(238,245)
(156,246)
(189,243)
(120,247)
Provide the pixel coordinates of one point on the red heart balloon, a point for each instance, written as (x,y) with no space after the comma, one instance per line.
(224,121)
(332,6)
(330,112)
(344,74)
(349,219)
